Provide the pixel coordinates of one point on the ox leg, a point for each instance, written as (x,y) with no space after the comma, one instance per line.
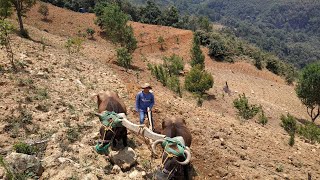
(186,169)
(125,138)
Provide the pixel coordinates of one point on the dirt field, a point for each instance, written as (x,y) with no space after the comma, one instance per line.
(224,147)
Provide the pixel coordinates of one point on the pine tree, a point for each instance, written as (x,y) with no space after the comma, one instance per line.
(197,57)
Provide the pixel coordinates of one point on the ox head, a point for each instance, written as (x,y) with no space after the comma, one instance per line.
(174,156)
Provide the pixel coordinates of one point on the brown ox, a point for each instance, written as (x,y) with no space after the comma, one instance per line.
(110,101)
(174,167)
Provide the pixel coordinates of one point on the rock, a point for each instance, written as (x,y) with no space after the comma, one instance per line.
(2,173)
(125,158)
(116,169)
(90,177)
(22,162)
(134,175)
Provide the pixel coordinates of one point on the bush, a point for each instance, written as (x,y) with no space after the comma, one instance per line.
(174,64)
(262,118)
(72,135)
(90,32)
(174,85)
(160,73)
(245,110)
(24,148)
(197,57)
(124,58)
(310,131)
(73,45)
(43,10)
(289,123)
(218,49)
(161,42)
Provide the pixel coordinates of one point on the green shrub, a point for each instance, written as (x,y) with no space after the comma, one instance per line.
(124,58)
(162,43)
(174,84)
(262,118)
(289,123)
(24,148)
(245,110)
(72,135)
(174,64)
(90,32)
(310,131)
(73,45)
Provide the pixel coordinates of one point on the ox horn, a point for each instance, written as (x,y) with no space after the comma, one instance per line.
(188,154)
(98,114)
(154,144)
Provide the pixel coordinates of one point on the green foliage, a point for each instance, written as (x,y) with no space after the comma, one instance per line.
(9,173)
(245,110)
(24,148)
(5,9)
(72,135)
(198,80)
(43,10)
(174,64)
(310,131)
(90,32)
(73,45)
(308,89)
(151,14)
(197,57)
(173,83)
(289,123)
(162,43)
(41,94)
(124,58)
(6,29)
(205,24)
(114,22)
(159,72)
(262,118)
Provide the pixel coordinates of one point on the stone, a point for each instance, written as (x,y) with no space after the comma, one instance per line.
(90,176)
(2,173)
(125,158)
(22,162)
(116,169)
(134,174)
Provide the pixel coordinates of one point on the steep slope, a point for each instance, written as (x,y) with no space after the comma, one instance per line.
(223,146)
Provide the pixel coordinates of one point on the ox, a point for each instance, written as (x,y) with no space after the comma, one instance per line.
(174,167)
(110,101)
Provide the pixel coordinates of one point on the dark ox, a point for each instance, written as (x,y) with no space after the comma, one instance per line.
(110,101)
(174,167)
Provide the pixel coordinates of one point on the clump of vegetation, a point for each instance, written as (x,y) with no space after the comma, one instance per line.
(198,81)
(90,32)
(289,123)
(245,110)
(168,72)
(41,94)
(72,135)
(309,131)
(262,118)
(162,43)
(24,148)
(73,45)
(197,57)
(44,11)
(308,89)
(5,30)
(124,58)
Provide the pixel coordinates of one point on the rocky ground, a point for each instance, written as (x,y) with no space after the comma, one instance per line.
(50,100)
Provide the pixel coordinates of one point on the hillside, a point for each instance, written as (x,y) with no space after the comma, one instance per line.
(288,28)
(60,85)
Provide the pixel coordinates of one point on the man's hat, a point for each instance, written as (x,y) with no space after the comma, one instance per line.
(146,85)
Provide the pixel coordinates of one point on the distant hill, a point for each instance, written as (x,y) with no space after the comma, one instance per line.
(289,28)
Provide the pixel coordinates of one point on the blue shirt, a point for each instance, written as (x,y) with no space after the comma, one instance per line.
(143,101)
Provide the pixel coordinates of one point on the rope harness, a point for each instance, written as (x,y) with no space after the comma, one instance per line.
(109,121)
(168,143)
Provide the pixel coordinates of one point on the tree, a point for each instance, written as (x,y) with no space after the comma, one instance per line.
(43,10)
(161,42)
(124,58)
(197,57)
(5,29)
(151,14)
(22,7)
(114,22)
(198,81)
(5,9)
(308,89)
(171,17)
(91,32)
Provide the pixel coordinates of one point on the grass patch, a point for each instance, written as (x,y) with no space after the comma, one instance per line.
(24,148)
(72,135)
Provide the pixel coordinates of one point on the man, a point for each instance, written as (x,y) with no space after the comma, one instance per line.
(144,100)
